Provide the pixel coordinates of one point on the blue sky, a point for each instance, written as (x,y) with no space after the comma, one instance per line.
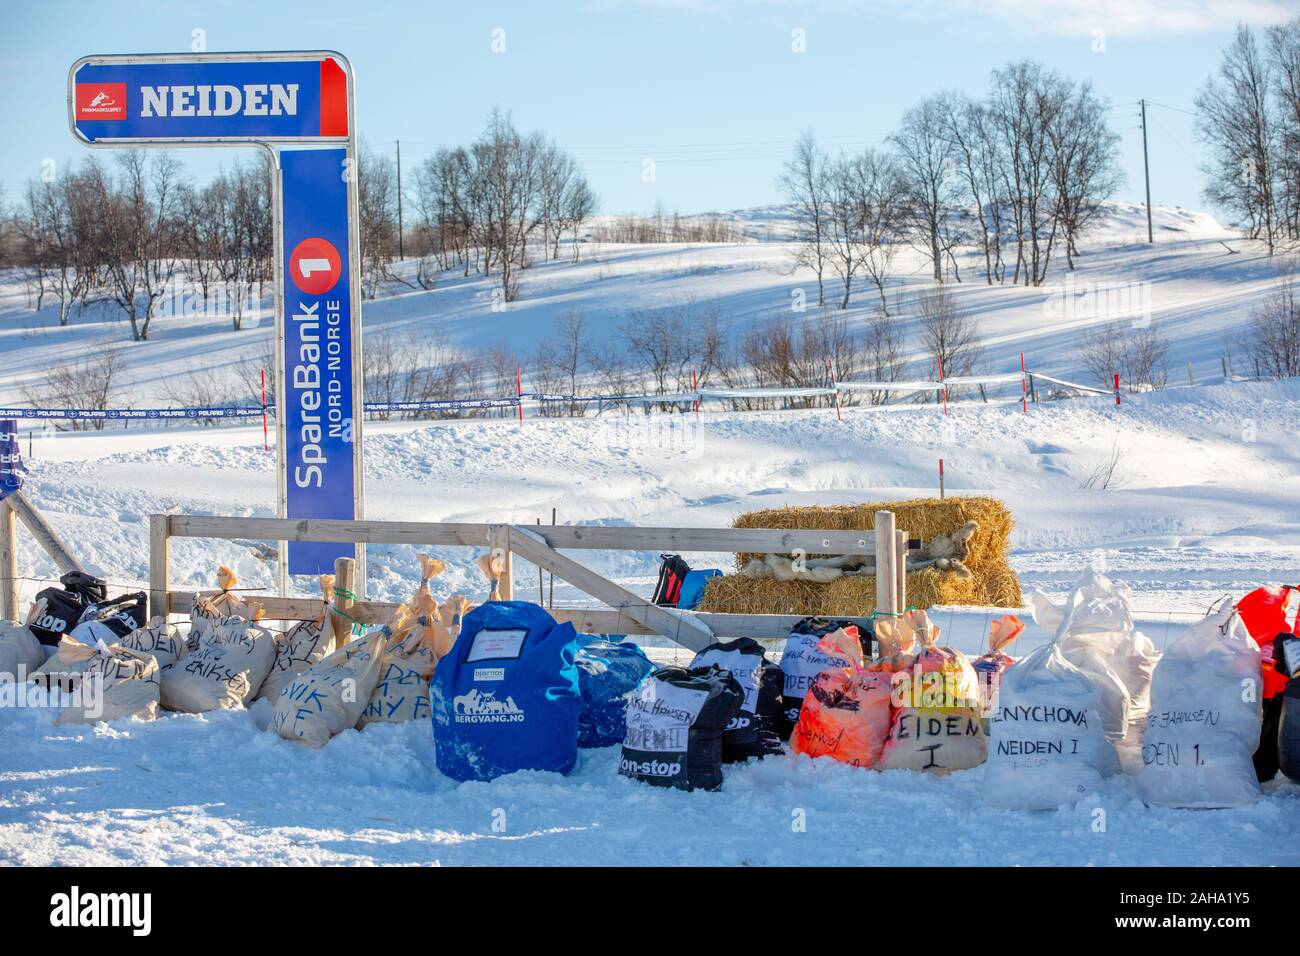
(712,90)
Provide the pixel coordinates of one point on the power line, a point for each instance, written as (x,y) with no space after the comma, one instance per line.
(1174,108)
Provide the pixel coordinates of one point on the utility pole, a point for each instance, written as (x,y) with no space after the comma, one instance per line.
(401,246)
(1146,170)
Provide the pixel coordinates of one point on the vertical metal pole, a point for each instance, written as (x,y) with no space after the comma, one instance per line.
(281,465)
(1146,170)
(358,374)
(401,248)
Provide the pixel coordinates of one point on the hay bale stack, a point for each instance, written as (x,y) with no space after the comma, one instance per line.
(992,581)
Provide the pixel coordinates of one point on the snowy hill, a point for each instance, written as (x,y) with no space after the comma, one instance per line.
(1200,279)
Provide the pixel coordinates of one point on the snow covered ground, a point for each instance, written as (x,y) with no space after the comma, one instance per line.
(1206,502)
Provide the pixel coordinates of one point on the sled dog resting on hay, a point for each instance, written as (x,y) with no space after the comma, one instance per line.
(943,552)
(962,560)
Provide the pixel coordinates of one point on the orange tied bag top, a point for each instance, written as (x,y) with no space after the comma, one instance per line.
(428,638)
(896,642)
(846,714)
(936,719)
(989,667)
(454,610)
(493,565)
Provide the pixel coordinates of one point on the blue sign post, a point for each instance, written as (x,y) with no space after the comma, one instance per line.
(272,100)
(321,404)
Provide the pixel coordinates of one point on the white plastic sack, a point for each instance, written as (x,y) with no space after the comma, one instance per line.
(222,610)
(160,639)
(1047,741)
(21,653)
(1204,721)
(116,682)
(401,694)
(304,644)
(1095,632)
(330,696)
(225,672)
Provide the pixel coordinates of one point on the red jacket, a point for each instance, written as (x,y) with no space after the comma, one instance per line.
(1264,612)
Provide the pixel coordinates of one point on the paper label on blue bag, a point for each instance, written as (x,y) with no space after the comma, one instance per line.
(492,644)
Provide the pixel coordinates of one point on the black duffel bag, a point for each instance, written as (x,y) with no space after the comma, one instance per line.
(65,605)
(110,621)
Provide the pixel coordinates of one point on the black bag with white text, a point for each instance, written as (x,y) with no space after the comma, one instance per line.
(65,605)
(755,730)
(110,621)
(675,722)
(801,662)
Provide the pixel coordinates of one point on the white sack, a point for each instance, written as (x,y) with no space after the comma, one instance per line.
(225,672)
(112,682)
(21,653)
(1204,721)
(330,696)
(305,644)
(1047,741)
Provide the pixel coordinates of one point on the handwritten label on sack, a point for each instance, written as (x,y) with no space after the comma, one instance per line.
(660,716)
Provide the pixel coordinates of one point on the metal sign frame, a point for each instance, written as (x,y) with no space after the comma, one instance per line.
(270,144)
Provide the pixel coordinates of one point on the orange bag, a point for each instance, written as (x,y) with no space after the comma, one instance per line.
(936,721)
(846,714)
(989,668)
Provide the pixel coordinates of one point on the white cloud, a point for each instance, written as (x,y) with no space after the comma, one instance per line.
(1132,18)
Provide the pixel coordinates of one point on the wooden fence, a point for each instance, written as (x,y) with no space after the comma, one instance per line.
(622,611)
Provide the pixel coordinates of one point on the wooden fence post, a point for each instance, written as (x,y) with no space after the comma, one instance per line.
(900,586)
(345,582)
(159,565)
(45,535)
(886,561)
(9,561)
(501,543)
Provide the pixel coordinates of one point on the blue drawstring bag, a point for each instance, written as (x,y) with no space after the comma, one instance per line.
(609,670)
(505,697)
(693,587)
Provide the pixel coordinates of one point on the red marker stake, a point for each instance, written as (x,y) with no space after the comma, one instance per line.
(519,390)
(695,387)
(1117,388)
(940,477)
(265,445)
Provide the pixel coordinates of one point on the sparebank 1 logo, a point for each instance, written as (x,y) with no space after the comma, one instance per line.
(315,266)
